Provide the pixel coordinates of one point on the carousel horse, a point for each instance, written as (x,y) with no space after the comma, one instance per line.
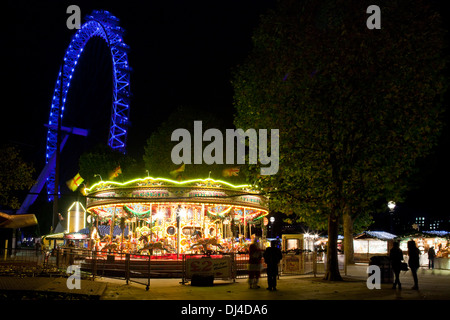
(204,242)
(241,246)
(158,245)
(109,245)
(112,246)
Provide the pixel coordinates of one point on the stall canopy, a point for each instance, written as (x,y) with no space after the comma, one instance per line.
(426,234)
(54,236)
(75,236)
(17,220)
(442,234)
(381,235)
(371,243)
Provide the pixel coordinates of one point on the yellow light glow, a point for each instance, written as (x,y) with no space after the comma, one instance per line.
(159,215)
(260,213)
(166,180)
(220,213)
(77,216)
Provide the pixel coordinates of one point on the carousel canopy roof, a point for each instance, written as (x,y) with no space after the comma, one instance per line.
(150,181)
(133,198)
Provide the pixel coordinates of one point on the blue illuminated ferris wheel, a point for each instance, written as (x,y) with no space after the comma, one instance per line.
(104,25)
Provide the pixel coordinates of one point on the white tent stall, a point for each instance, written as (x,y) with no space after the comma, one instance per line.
(372,243)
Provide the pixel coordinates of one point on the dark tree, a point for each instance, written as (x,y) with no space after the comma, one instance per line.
(355,107)
(157,156)
(103,160)
(16,175)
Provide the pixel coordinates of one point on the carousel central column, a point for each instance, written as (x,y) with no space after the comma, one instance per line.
(163,220)
(203,220)
(151,227)
(111,228)
(245,225)
(178,210)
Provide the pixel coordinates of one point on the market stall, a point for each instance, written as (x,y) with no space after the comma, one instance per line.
(372,243)
(424,240)
(298,242)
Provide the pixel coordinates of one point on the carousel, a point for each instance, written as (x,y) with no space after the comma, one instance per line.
(159,216)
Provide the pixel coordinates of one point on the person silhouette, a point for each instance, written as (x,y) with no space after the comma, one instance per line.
(254,264)
(396,257)
(431,256)
(413,262)
(272,256)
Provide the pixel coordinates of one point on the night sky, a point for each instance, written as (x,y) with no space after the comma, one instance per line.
(182,54)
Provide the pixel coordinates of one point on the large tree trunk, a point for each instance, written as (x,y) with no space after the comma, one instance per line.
(332,273)
(348,239)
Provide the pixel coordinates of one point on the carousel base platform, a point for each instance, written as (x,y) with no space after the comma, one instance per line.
(138,267)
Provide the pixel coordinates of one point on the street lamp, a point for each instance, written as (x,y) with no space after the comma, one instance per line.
(272,220)
(391,206)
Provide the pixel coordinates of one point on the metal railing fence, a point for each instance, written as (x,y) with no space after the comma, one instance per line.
(141,268)
(54,262)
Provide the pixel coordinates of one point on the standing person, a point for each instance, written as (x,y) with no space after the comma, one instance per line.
(272,257)
(431,256)
(254,264)
(414,255)
(396,257)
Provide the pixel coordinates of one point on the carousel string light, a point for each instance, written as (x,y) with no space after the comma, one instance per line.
(180,214)
(100,183)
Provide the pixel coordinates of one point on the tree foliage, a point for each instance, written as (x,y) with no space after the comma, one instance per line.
(103,160)
(16,175)
(355,107)
(157,155)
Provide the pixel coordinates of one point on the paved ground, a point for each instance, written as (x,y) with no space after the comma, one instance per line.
(296,294)
(48,287)
(433,285)
(301,295)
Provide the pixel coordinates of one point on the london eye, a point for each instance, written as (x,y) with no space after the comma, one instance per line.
(103,25)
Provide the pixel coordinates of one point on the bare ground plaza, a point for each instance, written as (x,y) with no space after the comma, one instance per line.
(434,285)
